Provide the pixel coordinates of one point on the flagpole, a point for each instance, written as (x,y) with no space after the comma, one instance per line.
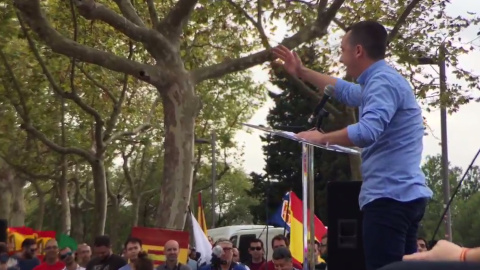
(311,202)
(305,172)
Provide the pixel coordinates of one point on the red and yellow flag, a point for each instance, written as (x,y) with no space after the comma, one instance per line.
(15,237)
(296,228)
(154,239)
(42,239)
(201,214)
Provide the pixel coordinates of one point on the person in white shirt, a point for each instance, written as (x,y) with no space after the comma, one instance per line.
(68,257)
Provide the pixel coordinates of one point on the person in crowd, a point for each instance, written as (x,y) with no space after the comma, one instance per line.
(6,262)
(192,258)
(421,245)
(323,247)
(279,241)
(320,263)
(132,247)
(104,257)
(236,257)
(223,261)
(68,258)
(210,239)
(446,251)
(282,259)
(27,258)
(143,262)
(83,254)
(51,259)
(171,250)
(394,193)
(257,255)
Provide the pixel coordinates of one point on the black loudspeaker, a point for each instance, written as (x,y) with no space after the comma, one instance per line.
(3,230)
(345,241)
(431,266)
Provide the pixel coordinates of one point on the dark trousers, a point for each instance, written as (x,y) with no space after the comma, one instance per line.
(390,230)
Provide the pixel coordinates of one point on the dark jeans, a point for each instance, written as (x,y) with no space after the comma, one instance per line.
(390,230)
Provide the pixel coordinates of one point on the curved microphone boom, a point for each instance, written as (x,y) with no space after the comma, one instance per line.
(327,93)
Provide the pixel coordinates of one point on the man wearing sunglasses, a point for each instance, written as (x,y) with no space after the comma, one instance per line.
(68,257)
(257,254)
(51,260)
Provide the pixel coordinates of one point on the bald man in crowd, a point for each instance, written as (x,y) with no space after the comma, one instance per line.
(171,251)
(83,254)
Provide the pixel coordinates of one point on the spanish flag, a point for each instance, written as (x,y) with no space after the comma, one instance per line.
(201,214)
(296,228)
(154,239)
(17,235)
(42,239)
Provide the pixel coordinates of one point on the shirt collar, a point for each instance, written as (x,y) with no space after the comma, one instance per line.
(366,74)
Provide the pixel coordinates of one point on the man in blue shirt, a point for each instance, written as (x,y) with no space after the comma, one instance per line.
(390,132)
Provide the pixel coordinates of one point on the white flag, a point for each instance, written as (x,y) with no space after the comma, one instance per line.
(202,245)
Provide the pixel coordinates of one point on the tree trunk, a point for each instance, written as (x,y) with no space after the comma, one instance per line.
(113,218)
(77,223)
(135,209)
(66,219)
(100,186)
(17,214)
(180,106)
(41,206)
(6,177)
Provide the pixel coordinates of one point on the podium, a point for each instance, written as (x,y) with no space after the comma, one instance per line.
(307,178)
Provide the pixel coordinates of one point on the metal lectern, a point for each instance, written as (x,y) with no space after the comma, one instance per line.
(307,177)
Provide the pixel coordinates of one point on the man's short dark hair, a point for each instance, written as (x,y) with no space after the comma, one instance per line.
(280,237)
(282,253)
(102,241)
(28,242)
(372,36)
(133,240)
(257,240)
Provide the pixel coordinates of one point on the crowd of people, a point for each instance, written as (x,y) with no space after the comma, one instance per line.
(225,256)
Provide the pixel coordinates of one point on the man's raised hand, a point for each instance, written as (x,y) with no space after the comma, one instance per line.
(291,62)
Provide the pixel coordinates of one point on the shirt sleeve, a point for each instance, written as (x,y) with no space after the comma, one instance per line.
(380,102)
(348,93)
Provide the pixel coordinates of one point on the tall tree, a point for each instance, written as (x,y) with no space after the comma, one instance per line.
(162,29)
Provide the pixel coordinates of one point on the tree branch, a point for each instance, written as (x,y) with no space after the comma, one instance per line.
(21,108)
(126,172)
(147,191)
(153,14)
(401,20)
(92,10)
(176,19)
(62,45)
(97,84)
(84,198)
(257,24)
(117,107)
(340,24)
(129,12)
(306,33)
(26,171)
(141,128)
(55,147)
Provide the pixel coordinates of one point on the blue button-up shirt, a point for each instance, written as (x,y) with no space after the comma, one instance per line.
(390,132)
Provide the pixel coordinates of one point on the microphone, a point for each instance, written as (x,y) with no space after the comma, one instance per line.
(217,251)
(327,93)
